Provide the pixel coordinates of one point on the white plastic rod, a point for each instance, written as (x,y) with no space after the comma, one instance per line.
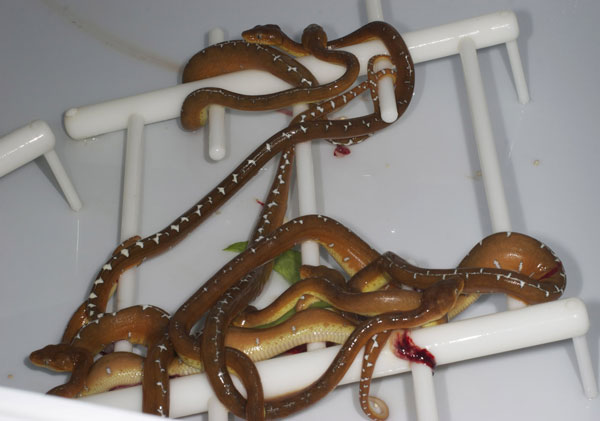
(488,158)
(27,143)
(517,70)
(385,93)
(424,389)
(426,44)
(307,195)
(449,343)
(132,178)
(130,212)
(216,410)
(385,86)
(586,369)
(63,180)
(216,113)
(374,10)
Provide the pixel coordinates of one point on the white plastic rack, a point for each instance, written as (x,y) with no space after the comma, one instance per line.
(510,330)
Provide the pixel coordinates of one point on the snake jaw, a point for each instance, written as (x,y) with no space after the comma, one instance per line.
(46,357)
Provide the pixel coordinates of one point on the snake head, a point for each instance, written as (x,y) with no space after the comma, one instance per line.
(264,34)
(314,33)
(59,357)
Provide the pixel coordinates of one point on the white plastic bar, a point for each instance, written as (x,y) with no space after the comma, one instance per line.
(374,10)
(27,143)
(425,402)
(132,178)
(216,410)
(63,180)
(586,369)
(449,343)
(307,196)
(130,212)
(386,94)
(216,113)
(517,70)
(427,44)
(488,158)
(385,86)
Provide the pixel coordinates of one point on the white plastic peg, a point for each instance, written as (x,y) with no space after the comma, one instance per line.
(130,211)
(385,86)
(307,201)
(216,410)
(216,113)
(28,143)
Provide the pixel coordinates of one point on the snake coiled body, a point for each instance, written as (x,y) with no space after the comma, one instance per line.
(119,369)
(144,325)
(314,41)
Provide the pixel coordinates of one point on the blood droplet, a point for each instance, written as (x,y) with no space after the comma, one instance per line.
(405,348)
(341,151)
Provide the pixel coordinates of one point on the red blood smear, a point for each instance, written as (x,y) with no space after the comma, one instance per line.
(552,271)
(341,151)
(285,111)
(259,202)
(405,348)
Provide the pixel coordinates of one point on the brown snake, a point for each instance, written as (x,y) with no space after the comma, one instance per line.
(513,263)
(135,251)
(372,350)
(235,300)
(476,279)
(440,285)
(144,325)
(118,369)
(314,41)
(369,303)
(306,130)
(156,391)
(225,310)
(237,297)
